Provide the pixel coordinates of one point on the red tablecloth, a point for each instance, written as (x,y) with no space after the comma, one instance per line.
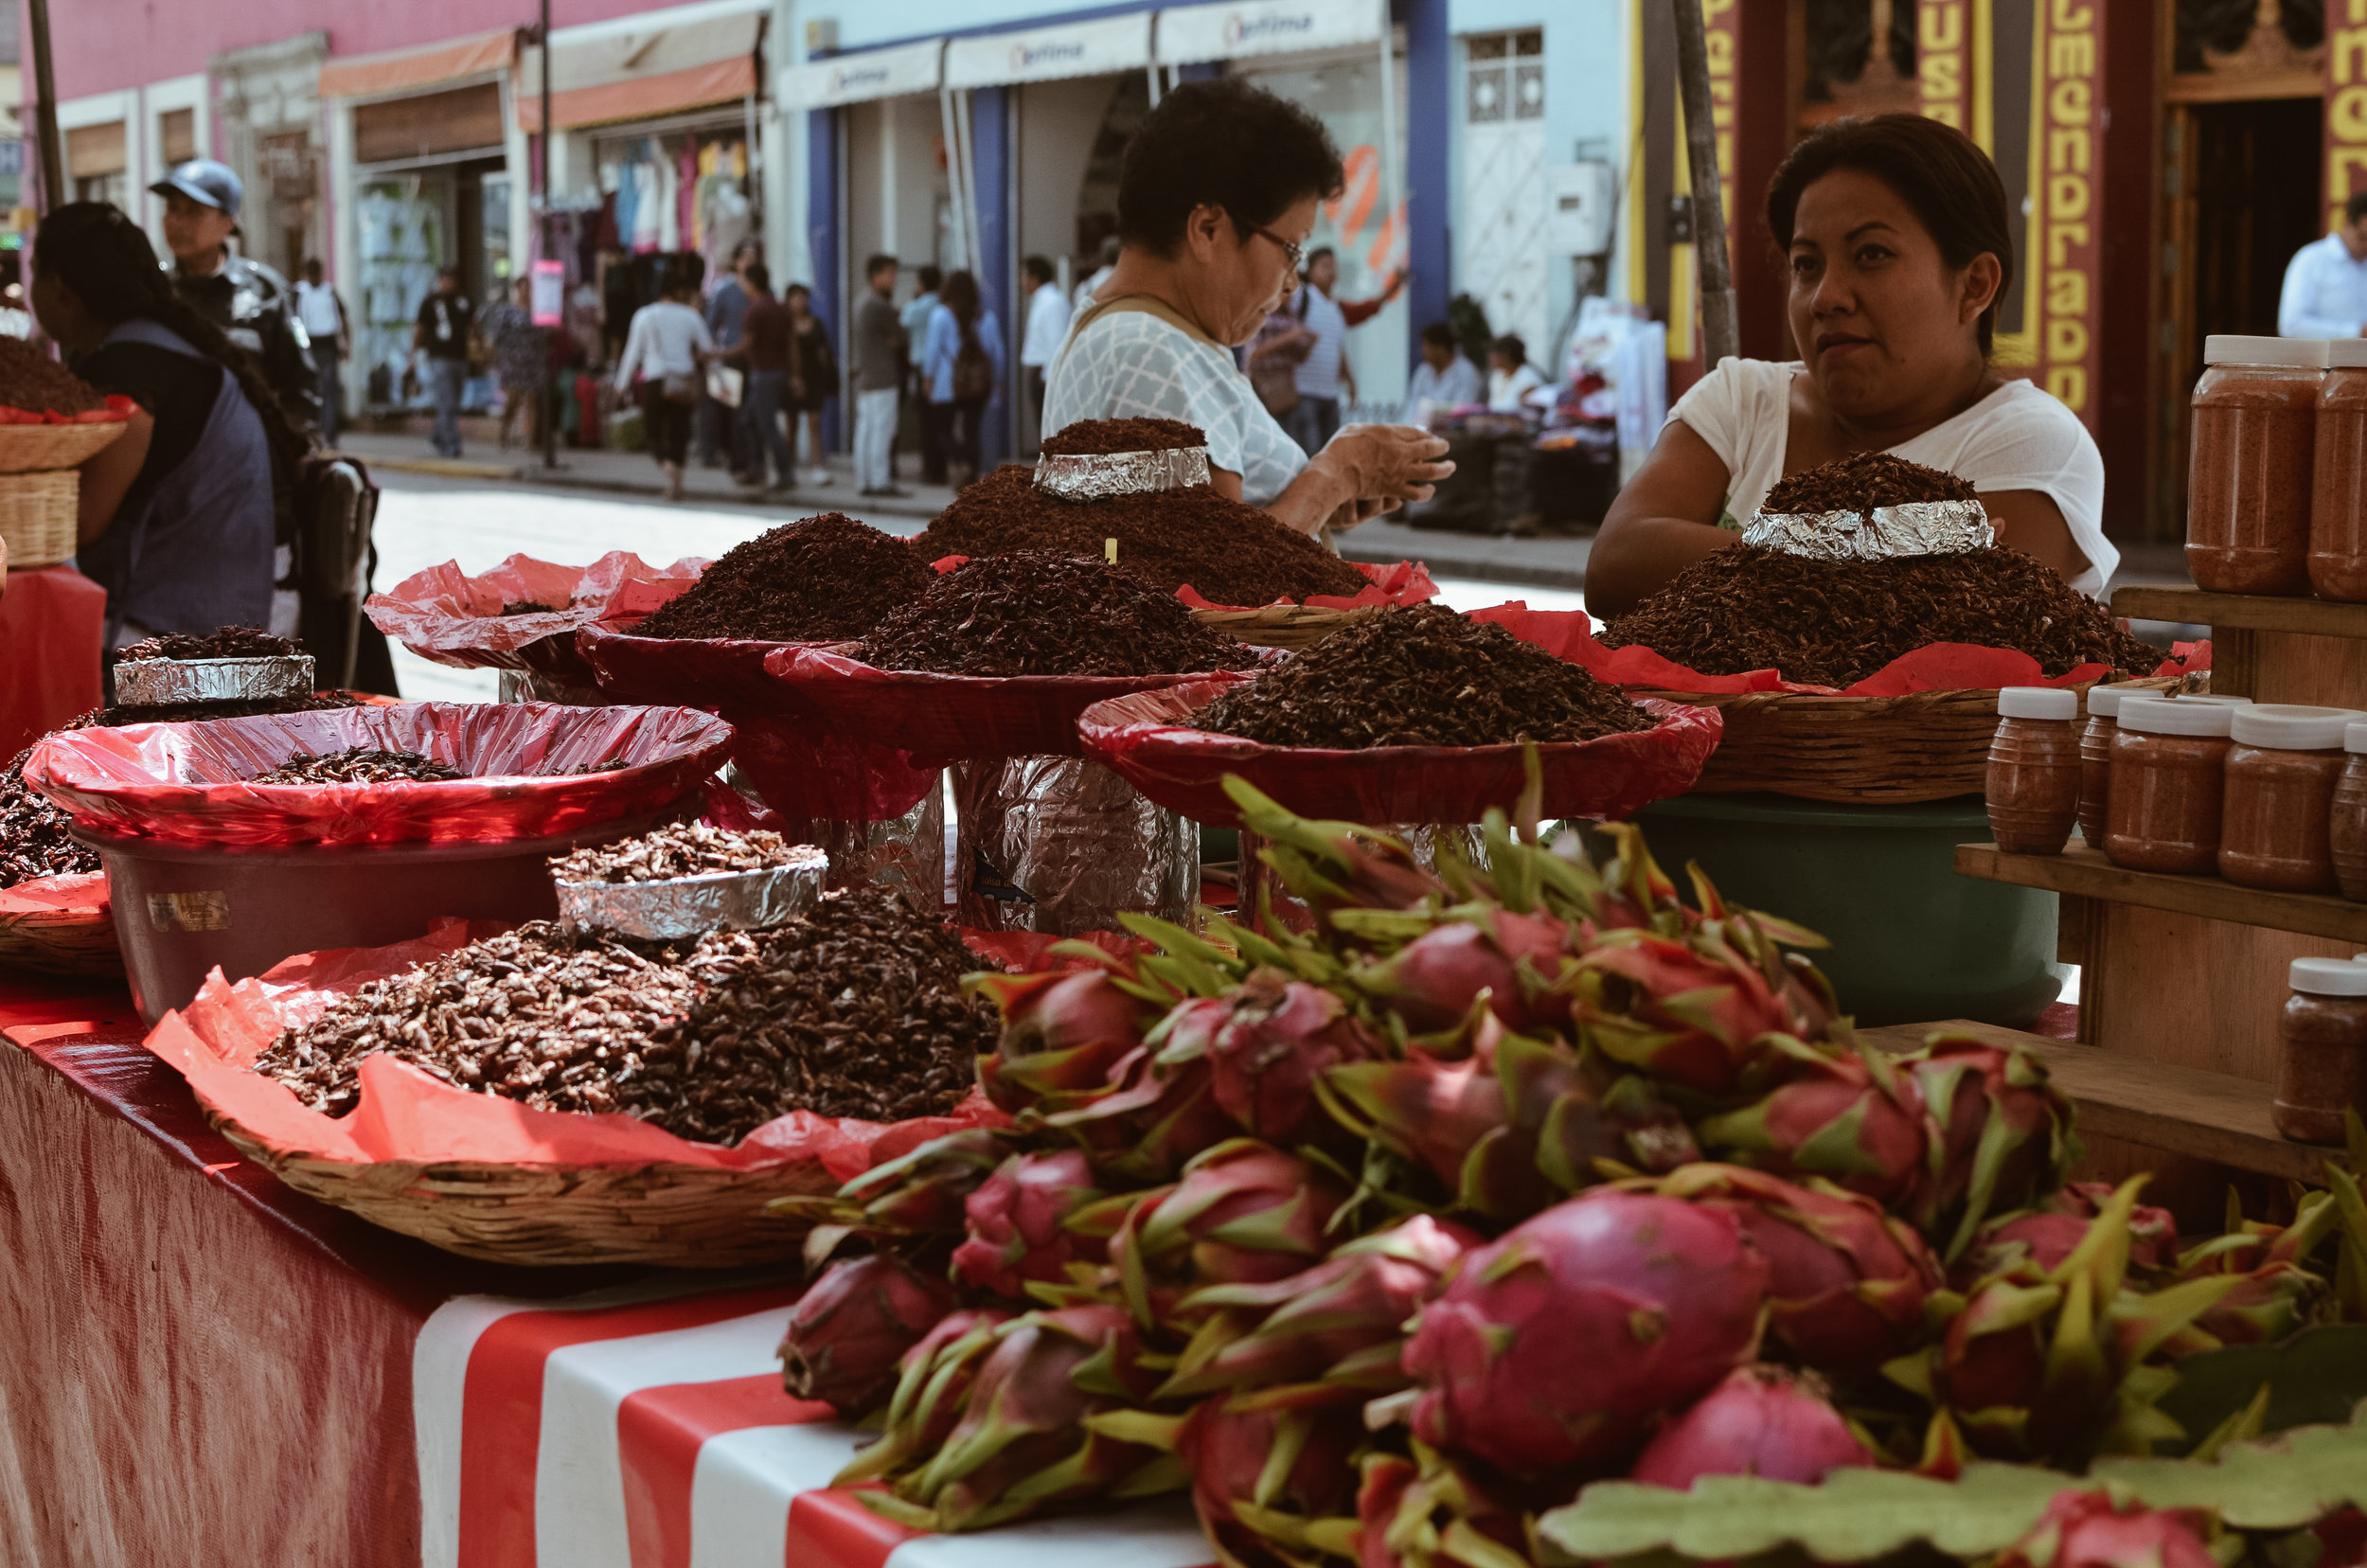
(51,624)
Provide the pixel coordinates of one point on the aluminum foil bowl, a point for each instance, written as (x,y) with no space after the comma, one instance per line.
(1920,528)
(676,907)
(153,683)
(1094,476)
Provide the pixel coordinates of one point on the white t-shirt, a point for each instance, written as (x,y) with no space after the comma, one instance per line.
(1129,363)
(662,342)
(1047,323)
(2018,438)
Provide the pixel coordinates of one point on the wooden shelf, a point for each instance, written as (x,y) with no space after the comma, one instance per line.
(2314,618)
(2086,873)
(2180,1110)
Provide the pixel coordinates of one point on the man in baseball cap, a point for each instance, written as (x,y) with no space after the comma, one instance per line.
(246,299)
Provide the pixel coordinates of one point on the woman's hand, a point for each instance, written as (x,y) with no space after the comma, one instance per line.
(1363,472)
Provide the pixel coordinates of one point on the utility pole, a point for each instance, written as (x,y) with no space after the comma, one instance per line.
(1720,326)
(45,112)
(548,222)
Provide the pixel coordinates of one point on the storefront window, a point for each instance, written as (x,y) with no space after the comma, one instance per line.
(401,230)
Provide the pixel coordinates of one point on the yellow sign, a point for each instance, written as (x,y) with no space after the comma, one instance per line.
(2064,249)
(2346,103)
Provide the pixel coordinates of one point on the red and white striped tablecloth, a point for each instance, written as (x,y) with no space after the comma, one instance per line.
(646,1428)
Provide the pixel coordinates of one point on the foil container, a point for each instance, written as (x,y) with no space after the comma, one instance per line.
(675,907)
(1062,845)
(529,685)
(153,683)
(1097,475)
(1920,528)
(906,854)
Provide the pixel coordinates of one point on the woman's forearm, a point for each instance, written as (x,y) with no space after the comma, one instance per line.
(1634,556)
(1308,501)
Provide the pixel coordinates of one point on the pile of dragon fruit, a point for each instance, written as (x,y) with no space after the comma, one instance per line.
(1387,1239)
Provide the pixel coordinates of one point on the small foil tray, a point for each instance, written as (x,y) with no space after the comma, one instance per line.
(153,683)
(1920,528)
(676,907)
(1096,475)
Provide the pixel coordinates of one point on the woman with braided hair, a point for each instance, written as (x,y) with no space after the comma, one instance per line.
(176,516)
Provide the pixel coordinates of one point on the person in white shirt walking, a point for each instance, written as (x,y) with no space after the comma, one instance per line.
(1324,377)
(323,318)
(1445,378)
(1047,327)
(2326,284)
(666,346)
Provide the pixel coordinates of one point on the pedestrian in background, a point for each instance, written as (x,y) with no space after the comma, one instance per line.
(915,324)
(963,364)
(813,375)
(668,347)
(251,303)
(1324,377)
(441,333)
(726,315)
(323,316)
(1110,249)
(1047,326)
(765,344)
(1444,380)
(1510,376)
(879,354)
(2325,283)
(522,357)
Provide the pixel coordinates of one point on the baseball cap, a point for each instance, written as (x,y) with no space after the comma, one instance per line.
(203,180)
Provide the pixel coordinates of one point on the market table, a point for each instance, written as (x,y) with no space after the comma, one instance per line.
(203,1367)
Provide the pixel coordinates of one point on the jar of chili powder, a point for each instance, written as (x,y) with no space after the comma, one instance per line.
(2281,773)
(2168,783)
(2346,826)
(2337,502)
(2033,778)
(2253,468)
(2322,1055)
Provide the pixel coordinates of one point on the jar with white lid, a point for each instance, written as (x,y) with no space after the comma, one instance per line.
(2252,470)
(2346,826)
(2095,748)
(2278,799)
(2168,780)
(2337,501)
(2032,779)
(2322,1055)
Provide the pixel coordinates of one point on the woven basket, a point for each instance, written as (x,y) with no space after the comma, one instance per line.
(31,447)
(1877,751)
(679,1215)
(1291,626)
(37,517)
(60,941)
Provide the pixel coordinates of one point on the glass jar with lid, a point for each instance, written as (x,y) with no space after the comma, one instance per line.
(2168,782)
(2321,1050)
(2337,501)
(2252,470)
(2346,826)
(2281,773)
(2095,748)
(2033,777)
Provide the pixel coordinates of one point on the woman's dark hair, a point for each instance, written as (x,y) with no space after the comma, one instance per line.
(1936,169)
(960,295)
(759,277)
(97,254)
(682,275)
(1225,143)
(931,276)
(1511,347)
(1439,333)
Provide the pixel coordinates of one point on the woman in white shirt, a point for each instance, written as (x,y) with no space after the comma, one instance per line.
(1894,232)
(666,346)
(1510,376)
(1217,196)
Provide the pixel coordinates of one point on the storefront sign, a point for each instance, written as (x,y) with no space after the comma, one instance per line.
(2346,103)
(1944,61)
(2065,250)
(550,293)
(1721,27)
(1048,54)
(1189,34)
(859,78)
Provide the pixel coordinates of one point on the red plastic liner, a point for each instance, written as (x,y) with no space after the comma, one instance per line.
(1145,737)
(450,619)
(1940,667)
(948,718)
(804,765)
(117,410)
(407,1115)
(186,781)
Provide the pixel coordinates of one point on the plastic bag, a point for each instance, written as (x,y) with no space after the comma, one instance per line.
(407,1115)
(186,782)
(803,764)
(118,409)
(953,718)
(1064,845)
(1939,667)
(1146,738)
(450,619)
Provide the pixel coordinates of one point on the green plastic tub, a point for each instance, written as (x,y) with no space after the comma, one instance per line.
(1913,941)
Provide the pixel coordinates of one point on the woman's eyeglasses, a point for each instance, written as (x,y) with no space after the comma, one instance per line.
(1292,249)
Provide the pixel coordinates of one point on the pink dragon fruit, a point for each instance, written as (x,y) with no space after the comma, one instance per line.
(1265,1043)
(1762,1421)
(2275,1291)
(1016,1230)
(1847,1118)
(1846,1282)
(2046,1235)
(919,1193)
(1999,1135)
(1555,1348)
(2086,1529)
(851,1327)
(1434,1511)
(1062,1033)
(1434,981)
(933,1382)
(1263,1470)
(1334,866)
(1151,1124)
(1244,1212)
(1691,1013)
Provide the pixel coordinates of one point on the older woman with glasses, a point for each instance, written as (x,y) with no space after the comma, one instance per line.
(1217,196)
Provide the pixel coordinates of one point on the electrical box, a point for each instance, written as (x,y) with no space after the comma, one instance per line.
(821,35)
(1580,199)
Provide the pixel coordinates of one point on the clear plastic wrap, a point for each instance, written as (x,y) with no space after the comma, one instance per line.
(1147,737)
(448,617)
(1062,845)
(186,782)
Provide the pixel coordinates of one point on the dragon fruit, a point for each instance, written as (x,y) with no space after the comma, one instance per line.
(1016,1230)
(1334,864)
(1849,1120)
(1554,1347)
(1693,1013)
(931,1382)
(1999,1135)
(1265,1043)
(1264,1471)
(1434,981)
(1431,1512)
(1244,1212)
(2046,1235)
(1847,1282)
(919,1193)
(2086,1529)
(1762,1421)
(853,1325)
(1062,1033)
(2274,1293)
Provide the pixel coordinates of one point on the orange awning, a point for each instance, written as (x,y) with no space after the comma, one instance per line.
(639,98)
(408,70)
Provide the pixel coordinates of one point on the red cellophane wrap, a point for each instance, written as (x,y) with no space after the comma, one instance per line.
(948,718)
(117,410)
(1399,582)
(1147,737)
(450,619)
(1940,667)
(407,1115)
(803,764)
(79,893)
(186,782)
